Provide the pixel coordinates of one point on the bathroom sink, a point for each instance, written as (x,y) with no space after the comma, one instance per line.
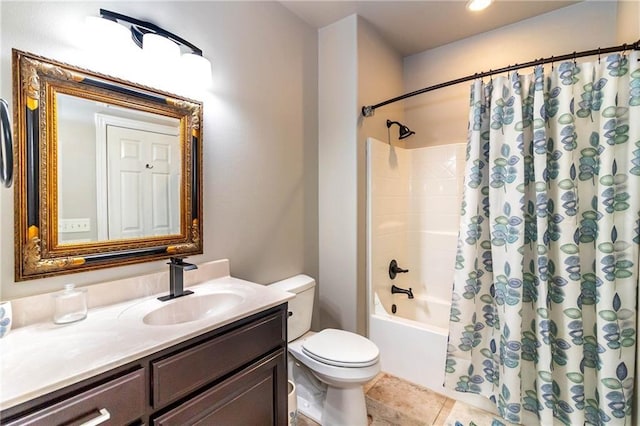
(192,308)
(214,300)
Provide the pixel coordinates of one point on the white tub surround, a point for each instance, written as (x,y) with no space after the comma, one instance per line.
(413,204)
(43,357)
(413,211)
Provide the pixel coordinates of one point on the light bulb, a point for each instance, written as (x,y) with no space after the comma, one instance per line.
(478,5)
(198,68)
(106,34)
(159,47)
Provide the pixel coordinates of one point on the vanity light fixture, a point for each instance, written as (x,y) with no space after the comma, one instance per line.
(156,43)
(478,5)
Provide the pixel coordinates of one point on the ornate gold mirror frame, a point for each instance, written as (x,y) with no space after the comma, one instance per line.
(38,253)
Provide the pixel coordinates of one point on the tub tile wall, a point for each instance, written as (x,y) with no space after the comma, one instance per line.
(434,188)
(436,183)
(436,263)
(414,203)
(389,204)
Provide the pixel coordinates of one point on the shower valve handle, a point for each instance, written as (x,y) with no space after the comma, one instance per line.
(394,269)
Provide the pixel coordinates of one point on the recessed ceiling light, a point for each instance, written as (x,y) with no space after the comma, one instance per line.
(477,5)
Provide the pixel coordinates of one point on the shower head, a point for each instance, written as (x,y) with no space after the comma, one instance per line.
(404,131)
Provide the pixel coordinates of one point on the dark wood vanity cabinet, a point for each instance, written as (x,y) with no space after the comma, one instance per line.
(235,375)
(247,398)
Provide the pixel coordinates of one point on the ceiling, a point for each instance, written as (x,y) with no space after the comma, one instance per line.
(415,26)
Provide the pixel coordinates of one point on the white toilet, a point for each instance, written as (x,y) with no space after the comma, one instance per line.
(340,360)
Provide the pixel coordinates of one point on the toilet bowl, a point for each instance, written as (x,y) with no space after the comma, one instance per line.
(330,360)
(341,361)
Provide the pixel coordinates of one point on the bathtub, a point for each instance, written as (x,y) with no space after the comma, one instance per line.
(413,341)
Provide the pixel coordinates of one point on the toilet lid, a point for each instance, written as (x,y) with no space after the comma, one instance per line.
(341,348)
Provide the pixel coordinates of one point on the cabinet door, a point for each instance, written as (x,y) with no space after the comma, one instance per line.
(179,375)
(117,402)
(256,396)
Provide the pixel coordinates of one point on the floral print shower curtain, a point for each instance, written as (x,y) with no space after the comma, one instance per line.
(543,317)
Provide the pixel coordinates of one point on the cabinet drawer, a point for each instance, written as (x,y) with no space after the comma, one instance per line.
(122,398)
(184,372)
(249,398)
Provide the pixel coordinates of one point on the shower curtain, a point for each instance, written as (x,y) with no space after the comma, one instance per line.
(543,319)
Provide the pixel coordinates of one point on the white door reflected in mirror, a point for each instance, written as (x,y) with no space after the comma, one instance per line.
(143,178)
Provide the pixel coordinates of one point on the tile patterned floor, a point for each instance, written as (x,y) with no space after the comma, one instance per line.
(394,402)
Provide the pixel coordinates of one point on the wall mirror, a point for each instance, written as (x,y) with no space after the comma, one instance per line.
(109,172)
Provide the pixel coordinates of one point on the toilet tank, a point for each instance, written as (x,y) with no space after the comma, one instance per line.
(301,306)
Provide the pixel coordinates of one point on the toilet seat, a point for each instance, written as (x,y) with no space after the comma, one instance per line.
(342,377)
(341,349)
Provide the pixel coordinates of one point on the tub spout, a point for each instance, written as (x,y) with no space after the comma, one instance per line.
(395,289)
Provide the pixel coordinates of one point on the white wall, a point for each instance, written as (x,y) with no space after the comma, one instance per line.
(337,174)
(76,170)
(356,67)
(628,21)
(440,117)
(259,135)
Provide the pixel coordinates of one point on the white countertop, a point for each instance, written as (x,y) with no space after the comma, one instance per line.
(44,357)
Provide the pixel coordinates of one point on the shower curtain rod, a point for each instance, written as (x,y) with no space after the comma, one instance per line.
(367,111)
